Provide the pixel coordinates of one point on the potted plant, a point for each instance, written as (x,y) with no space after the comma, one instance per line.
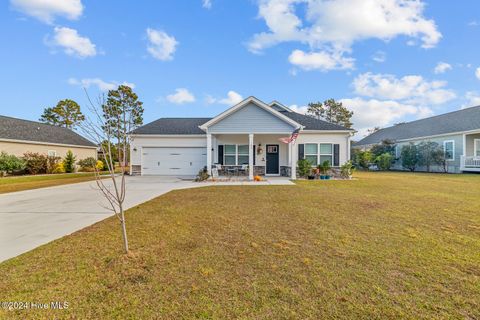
(311,175)
(325,169)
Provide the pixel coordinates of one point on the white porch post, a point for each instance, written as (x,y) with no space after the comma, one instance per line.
(250,156)
(348,148)
(209,154)
(293,160)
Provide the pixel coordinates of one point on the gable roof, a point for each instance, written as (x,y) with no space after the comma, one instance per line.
(194,126)
(245,102)
(32,131)
(173,126)
(457,121)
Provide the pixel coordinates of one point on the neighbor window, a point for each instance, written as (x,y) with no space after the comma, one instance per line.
(449,150)
(311,153)
(326,153)
(476,148)
(235,154)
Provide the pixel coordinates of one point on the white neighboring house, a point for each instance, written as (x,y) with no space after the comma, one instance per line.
(246,134)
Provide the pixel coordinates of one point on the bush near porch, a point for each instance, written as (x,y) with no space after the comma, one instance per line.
(367,249)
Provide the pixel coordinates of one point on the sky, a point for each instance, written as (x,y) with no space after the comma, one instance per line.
(387,60)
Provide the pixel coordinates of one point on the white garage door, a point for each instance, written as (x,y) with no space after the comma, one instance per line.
(173,161)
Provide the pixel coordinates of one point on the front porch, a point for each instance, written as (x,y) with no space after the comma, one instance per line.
(470,160)
(237,156)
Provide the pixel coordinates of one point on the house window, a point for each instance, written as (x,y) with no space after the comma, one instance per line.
(234,154)
(52,153)
(242,154)
(311,153)
(476,147)
(272,149)
(326,153)
(319,153)
(230,154)
(449,149)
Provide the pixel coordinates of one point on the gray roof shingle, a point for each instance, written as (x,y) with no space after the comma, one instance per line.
(173,126)
(191,125)
(19,129)
(311,123)
(456,121)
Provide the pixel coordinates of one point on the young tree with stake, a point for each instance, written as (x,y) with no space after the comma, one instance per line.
(113,119)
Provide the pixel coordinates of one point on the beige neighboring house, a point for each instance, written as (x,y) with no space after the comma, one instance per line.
(18,136)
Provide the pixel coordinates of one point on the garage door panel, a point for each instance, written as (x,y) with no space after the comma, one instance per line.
(173,161)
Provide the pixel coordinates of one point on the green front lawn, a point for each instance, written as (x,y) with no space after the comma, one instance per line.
(12,184)
(385,246)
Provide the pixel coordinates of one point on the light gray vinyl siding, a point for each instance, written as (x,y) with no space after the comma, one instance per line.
(453,166)
(251,118)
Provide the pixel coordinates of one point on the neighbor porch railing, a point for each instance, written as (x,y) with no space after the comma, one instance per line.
(467,162)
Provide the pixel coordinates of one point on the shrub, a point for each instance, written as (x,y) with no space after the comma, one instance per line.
(429,153)
(99,165)
(9,162)
(347,170)
(386,146)
(52,164)
(69,162)
(409,156)
(304,167)
(35,163)
(88,164)
(59,168)
(384,161)
(202,175)
(363,159)
(438,157)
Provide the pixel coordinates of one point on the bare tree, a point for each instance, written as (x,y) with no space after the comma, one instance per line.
(110,138)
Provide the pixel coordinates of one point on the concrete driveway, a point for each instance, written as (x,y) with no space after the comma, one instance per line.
(31,218)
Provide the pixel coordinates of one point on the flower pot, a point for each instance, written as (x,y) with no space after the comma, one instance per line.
(322,177)
(327,177)
(311,177)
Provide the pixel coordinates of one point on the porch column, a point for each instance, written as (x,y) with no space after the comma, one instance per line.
(209,154)
(293,160)
(250,156)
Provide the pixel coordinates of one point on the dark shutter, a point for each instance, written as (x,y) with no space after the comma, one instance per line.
(254,155)
(220,154)
(301,151)
(336,155)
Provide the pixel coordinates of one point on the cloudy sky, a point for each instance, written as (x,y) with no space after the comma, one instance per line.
(387,60)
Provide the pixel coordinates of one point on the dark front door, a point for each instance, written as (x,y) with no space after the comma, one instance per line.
(272,159)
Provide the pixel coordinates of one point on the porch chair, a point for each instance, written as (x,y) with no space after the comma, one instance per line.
(230,171)
(219,168)
(243,169)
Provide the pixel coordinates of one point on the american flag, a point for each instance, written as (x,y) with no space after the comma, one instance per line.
(292,138)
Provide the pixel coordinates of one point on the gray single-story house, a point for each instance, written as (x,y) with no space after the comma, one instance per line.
(18,136)
(246,135)
(458,132)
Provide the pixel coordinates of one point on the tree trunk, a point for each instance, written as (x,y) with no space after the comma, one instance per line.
(124,230)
